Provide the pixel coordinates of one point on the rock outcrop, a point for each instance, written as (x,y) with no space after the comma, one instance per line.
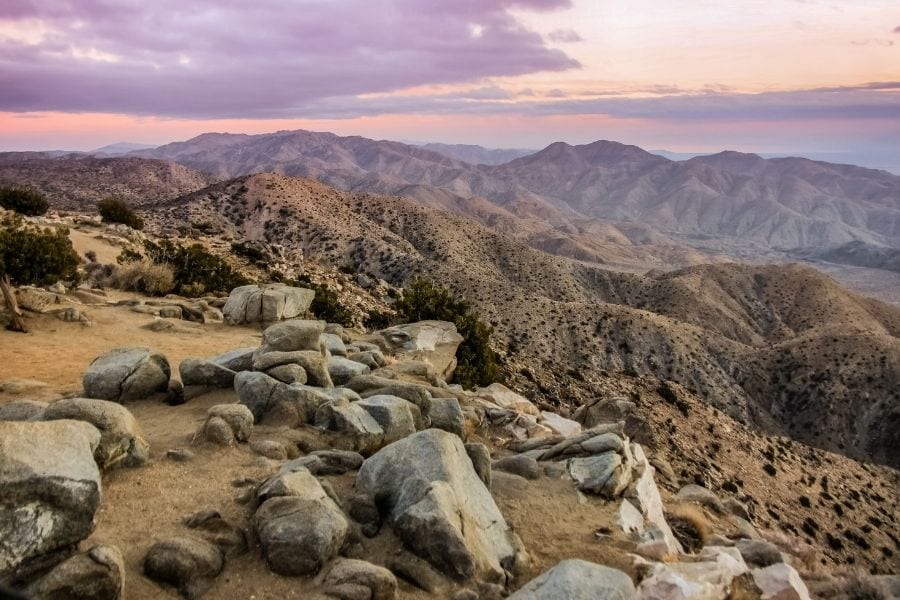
(266,303)
(124,374)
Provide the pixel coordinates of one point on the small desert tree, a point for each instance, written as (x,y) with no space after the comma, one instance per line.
(113,210)
(476,361)
(23,200)
(31,255)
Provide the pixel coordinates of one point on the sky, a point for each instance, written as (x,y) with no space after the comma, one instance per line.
(811,77)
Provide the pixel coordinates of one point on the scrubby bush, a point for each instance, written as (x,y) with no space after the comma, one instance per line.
(327,306)
(253,252)
(196,269)
(476,360)
(23,200)
(689,525)
(113,210)
(378,319)
(144,277)
(34,256)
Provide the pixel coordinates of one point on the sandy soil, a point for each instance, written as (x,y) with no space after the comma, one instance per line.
(143,505)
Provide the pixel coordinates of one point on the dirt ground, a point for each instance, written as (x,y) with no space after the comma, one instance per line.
(146,504)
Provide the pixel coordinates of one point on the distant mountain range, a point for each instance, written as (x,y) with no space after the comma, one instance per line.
(722,202)
(477,155)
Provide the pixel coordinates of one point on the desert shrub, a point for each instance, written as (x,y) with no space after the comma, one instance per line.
(327,306)
(113,210)
(23,200)
(196,270)
(666,392)
(378,319)
(34,256)
(128,255)
(91,256)
(859,586)
(476,360)
(144,277)
(250,251)
(689,525)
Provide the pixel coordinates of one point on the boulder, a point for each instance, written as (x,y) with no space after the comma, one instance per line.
(312,362)
(288,374)
(520,464)
(302,529)
(604,474)
(124,374)
(326,462)
(51,490)
(98,574)
(704,580)
(362,431)
(344,573)
(759,553)
(266,303)
(22,410)
(440,509)
(342,370)
(447,414)
(188,564)
(559,425)
(780,582)
(504,397)
(294,335)
(254,391)
(434,342)
(210,525)
(240,359)
(481,461)
(393,414)
(334,344)
(227,423)
(577,579)
(372,359)
(121,440)
(656,537)
(196,371)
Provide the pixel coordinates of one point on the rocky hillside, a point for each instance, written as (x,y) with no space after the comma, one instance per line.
(781,347)
(737,199)
(78,182)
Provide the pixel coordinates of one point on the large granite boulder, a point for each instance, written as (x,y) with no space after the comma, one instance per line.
(394,415)
(124,374)
(121,441)
(266,303)
(577,579)
(300,527)
(50,491)
(434,342)
(439,508)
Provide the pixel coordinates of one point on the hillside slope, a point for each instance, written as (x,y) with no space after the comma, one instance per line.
(782,347)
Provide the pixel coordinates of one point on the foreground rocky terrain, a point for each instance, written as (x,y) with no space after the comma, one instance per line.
(300,459)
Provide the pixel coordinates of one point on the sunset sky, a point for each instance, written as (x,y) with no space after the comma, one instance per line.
(811,77)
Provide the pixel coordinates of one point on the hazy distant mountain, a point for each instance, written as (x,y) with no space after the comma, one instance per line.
(860,254)
(121,148)
(713,201)
(477,155)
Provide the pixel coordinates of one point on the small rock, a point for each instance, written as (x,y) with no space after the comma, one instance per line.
(521,465)
(270,449)
(186,563)
(214,529)
(179,454)
(759,553)
(702,496)
(379,582)
(227,423)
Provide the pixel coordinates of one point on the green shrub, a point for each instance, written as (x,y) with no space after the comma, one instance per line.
(378,319)
(34,256)
(128,255)
(327,306)
(23,200)
(196,269)
(144,277)
(253,252)
(113,210)
(476,360)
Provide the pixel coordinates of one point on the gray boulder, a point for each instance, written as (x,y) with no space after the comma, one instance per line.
(288,374)
(342,370)
(226,424)
(22,410)
(759,553)
(98,574)
(51,490)
(196,371)
(124,374)
(372,359)
(481,461)
(700,495)
(188,564)
(351,578)
(439,508)
(521,465)
(255,391)
(121,441)
(334,344)
(434,342)
(577,579)
(604,474)
(240,359)
(393,414)
(290,336)
(362,431)
(447,414)
(312,362)
(266,303)
(300,527)
(325,462)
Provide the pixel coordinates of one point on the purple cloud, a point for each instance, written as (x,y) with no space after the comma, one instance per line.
(897,29)
(228,58)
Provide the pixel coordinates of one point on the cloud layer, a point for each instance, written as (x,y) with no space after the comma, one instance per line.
(269,58)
